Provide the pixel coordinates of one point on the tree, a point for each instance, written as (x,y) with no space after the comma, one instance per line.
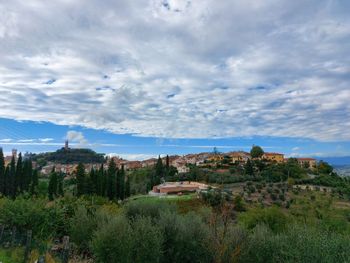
(127,187)
(101,181)
(111,180)
(2,172)
(256,151)
(159,172)
(249,170)
(7,181)
(34,183)
(167,163)
(238,204)
(94,181)
(26,175)
(80,175)
(12,178)
(60,190)
(121,183)
(19,182)
(53,182)
(324,168)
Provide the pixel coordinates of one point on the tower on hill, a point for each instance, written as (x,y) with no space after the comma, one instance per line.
(66,145)
(14,153)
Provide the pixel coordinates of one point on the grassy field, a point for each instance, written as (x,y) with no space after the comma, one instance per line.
(11,255)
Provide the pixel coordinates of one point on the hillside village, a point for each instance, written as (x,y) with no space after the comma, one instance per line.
(181,162)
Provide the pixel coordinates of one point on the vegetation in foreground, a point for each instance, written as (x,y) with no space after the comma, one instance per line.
(268,217)
(208,229)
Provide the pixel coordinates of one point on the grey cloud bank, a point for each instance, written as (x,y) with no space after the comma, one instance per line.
(179,69)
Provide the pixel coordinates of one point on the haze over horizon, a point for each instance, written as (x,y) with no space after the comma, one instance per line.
(142,78)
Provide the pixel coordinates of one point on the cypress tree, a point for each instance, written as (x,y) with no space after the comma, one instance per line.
(94,181)
(2,173)
(60,190)
(19,182)
(101,182)
(80,175)
(127,187)
(12,178)
(34,182)
(52,189)
(121,183)
(159,172)
(27,174)
(167,163)
(88,185)
(249,170)
(7,181)
(111,180)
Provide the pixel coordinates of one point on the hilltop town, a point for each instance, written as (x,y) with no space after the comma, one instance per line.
(67,192)
(66,160)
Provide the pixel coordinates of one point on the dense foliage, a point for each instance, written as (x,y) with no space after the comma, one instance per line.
(17,177)
(69,156)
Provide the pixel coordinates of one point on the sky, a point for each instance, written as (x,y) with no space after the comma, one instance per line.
(142,78)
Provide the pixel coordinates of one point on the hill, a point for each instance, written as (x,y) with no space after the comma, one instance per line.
(69,156)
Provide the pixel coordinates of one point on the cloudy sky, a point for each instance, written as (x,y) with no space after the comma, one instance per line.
(206,72)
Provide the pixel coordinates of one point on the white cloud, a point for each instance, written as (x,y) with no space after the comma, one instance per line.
(45,139)
(5,140)
(179,69)
(26,140)
(134,157)
(77,137)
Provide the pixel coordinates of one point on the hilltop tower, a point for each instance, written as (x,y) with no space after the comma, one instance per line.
(66,145)
(14,153)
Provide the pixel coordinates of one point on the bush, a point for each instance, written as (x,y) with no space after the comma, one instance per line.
(33,214)
(297,244)
(271,217)
(273,196)
(147,241)
(186,238)
(282,197)
(112,241)
(82,227)
(238,204)
(147,207)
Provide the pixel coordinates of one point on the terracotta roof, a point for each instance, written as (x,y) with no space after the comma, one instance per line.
(306,159)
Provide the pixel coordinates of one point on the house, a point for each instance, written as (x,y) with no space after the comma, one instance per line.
(178,187)
(181,165)
(131,165)
(239,157)
(307,162)
(273,157)
(215,158)
(149,162)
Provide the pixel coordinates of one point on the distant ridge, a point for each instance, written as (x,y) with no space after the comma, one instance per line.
(342,160)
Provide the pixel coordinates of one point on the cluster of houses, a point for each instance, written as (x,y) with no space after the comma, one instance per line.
(181,163)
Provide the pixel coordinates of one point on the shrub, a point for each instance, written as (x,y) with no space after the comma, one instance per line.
(112,241)
(273,196)
(282,197)
(147,241)
(186,238)
(238,203)
(297,244)
(82,226)
(147,207)
(272,217)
